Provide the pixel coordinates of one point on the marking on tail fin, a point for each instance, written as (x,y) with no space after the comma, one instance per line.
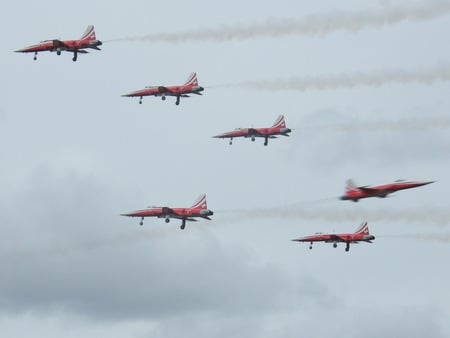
(200,202)
(350,185)
(192,80)
(89,33)
(279,122)
(362,229)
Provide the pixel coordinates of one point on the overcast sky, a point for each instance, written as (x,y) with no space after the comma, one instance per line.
(364,86)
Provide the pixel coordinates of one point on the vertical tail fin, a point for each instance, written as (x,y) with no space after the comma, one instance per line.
(279,122)
(200,203)
(89,34)
(350,185)
(363,229)
(191,80)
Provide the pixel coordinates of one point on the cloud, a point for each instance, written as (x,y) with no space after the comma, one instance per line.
(77,256)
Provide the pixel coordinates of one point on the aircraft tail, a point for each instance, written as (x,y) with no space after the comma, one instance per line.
(200,203)
(191,80)
(279,122)
(350,185)
(363,229)
(89,34)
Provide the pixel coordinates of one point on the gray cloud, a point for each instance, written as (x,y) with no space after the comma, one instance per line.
(93,264)
(400,322)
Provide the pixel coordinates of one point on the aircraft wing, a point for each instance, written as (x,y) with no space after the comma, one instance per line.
(167,211)
(334,238)
(254,131)
(163,89)
(59,44)
(376,192)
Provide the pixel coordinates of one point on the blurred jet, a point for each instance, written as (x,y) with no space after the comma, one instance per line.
(198,209)
(354,193)
(278,128)
(360,235)
(189,87)
(88,40)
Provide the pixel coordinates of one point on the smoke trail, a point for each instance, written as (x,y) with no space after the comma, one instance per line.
(409,124)
(440,72)
(314,25)
(441,238)
(426,215)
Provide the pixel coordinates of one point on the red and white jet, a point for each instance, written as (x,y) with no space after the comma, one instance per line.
(354,193)
(278,128)
(360,235)
(189,87)
(198,209)
(88,40)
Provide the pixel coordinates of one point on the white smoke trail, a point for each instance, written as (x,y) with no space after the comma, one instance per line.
(314,25)
(441,238)
(409,124)
(427,76)
(435,216)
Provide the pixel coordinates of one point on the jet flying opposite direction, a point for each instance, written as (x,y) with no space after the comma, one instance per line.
(354,193)
(198,209)
(88,40)
(360,235)
(278,128)
(189,87)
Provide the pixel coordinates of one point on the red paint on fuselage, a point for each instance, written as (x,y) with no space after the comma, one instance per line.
(278,128)
(361,234)
(381,191)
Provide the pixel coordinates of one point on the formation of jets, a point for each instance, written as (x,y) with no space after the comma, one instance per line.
(199,209)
